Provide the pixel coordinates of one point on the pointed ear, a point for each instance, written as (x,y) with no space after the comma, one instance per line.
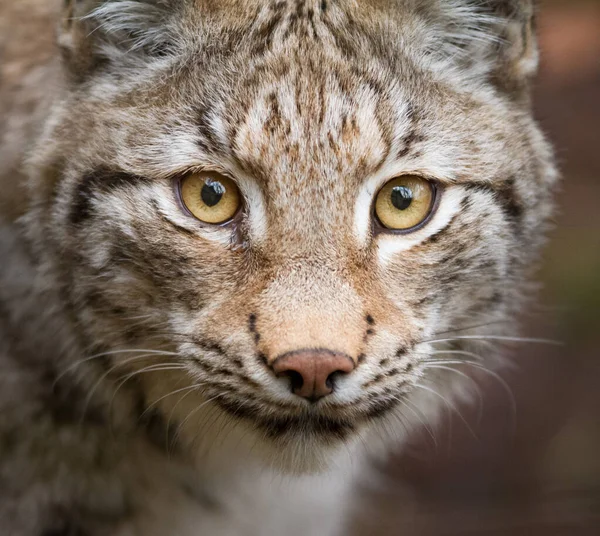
(75,48)
(489,39)
(92,32)
(516,51)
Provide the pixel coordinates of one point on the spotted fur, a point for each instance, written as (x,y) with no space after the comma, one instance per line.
(136,394)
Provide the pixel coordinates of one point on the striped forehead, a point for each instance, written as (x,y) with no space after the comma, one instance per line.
(307,133)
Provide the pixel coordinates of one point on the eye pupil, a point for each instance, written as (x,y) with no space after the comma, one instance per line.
(402,197)
(212,192)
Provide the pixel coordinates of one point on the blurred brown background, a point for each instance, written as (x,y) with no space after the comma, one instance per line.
(544,479)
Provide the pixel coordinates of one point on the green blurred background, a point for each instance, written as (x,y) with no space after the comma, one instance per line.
(543,479)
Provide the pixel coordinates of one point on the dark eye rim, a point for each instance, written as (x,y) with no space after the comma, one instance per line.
(436,195)
(235,219)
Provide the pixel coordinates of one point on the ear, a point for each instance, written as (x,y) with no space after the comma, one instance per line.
(493,39)
(92,32)
(516,51)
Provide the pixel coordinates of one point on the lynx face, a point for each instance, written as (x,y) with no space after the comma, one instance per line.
(268,213)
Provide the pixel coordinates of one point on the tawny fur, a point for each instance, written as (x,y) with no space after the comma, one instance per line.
(135,391)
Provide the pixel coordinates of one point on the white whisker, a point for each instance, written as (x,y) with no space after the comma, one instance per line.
(498,338)
(105,375)
(147,353)
(192,413)
(449,405)
(466,377)
(458,352)
(414,412)
(159,400)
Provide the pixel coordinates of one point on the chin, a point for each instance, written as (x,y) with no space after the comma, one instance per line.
(303,444)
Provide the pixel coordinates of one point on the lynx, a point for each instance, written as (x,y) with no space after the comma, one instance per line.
(244,243)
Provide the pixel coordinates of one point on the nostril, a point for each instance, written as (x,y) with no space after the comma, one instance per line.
(295,377)
(333,377)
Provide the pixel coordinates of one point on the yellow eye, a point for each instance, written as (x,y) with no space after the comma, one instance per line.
(405,202)
(210,196)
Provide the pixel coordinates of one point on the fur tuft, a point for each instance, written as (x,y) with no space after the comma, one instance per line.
(133,26)
(482,36)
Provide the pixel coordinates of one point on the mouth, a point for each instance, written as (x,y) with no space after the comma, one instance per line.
(337,424)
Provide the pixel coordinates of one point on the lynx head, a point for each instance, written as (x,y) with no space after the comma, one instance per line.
(271,213)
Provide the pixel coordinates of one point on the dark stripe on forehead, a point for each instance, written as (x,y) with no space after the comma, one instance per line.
(265,32)
(102,181)
(408,142)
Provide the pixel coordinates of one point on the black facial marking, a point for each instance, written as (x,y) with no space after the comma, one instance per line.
(252,327)
(249,382)
(243,410)
(408,142)
(311,21)
(210,346)
(446,231)
(510,202)
(325,427)
(274,118)
(401,351)
(343,42)
(380,407)
(265,33)
(375,380)
(100,181)
(216,371)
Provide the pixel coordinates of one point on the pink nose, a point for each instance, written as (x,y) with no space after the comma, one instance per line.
(313,372)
